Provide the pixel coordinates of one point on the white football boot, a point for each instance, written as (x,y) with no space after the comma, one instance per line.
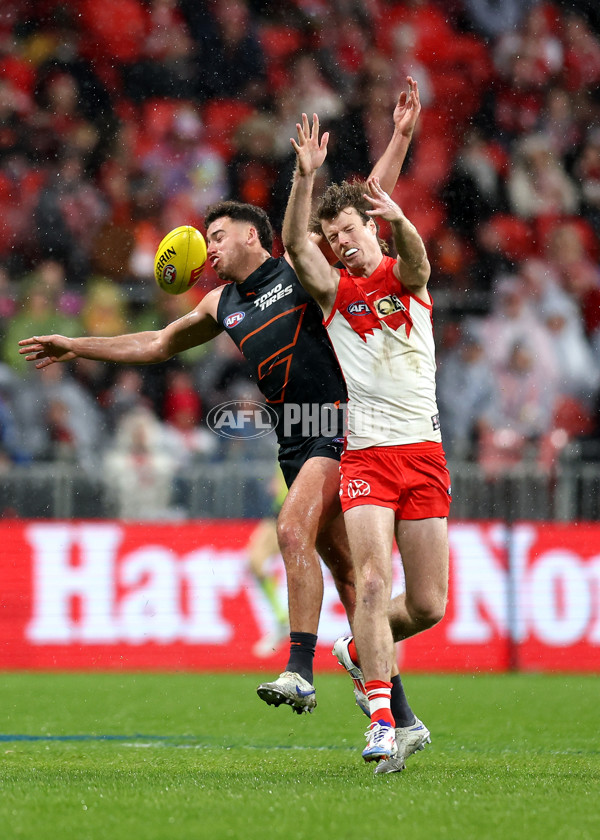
(409,740)
(381,742)
(340,651)
(289,688)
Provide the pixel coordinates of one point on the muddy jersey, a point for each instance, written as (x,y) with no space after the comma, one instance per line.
(383,338)
(279,329)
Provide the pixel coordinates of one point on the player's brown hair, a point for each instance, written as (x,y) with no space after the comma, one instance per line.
(336,198)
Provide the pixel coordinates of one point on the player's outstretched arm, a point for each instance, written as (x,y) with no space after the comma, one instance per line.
(197,327)
(406,114)
(311,266)
(413,267)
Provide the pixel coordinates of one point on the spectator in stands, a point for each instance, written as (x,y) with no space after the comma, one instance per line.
(527,61)
(113,34)
(521,411)
(59,49)
(538,184)
(582,60)
(578,274)
(58,419)
(465,370)
(559,124)
(190,173)
(15,106)
(69,213)
(165,66)
(492,259)
(253,168)
(37,313)
(113,245)
(182,412)
(513,322)
(544,292)
(493,19)
(532,48)
(11,451)
(357,143)
(8,304)
(229,55)
(342,38)
(578,371)
(95,378)
(147,227)
(587,172)
(221,372)
(139,469)
(104,310)
(475,189)
(125,395)
(20,181)
(60,125)
(308,85)
(451,260)
(248,444)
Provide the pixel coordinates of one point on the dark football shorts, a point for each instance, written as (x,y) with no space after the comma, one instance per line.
(293,457)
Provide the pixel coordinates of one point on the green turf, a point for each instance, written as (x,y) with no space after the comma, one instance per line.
(199,756)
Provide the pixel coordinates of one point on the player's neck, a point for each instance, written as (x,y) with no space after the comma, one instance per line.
(253,262)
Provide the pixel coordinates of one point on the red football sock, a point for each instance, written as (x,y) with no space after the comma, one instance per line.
(379,694)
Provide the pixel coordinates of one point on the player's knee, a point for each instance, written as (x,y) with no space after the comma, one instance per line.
(426,612)
(372,587)
(426,609)
(293,538)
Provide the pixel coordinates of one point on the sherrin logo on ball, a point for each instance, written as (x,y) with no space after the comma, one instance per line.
(180,259)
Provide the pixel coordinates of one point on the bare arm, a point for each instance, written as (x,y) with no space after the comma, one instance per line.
(406,113)
(389,165)
(412,266)
(315,273)
(197,327)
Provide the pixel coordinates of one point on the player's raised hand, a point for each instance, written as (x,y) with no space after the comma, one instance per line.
(381,203)
(407,109)
(45,350)
(310,152)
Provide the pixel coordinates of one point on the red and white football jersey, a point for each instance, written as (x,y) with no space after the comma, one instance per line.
(383,338)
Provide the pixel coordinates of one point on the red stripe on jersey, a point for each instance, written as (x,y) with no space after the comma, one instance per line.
(366,302)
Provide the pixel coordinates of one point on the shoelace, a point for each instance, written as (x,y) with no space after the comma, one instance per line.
(376,731)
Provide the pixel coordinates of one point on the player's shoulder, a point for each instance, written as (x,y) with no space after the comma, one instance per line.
(284,263)
(214,296)
(210,302)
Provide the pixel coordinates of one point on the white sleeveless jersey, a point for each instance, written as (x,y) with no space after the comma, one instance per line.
(383,338)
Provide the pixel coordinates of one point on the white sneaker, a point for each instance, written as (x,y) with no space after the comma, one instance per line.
(289,688)
(409,740)
(270,643)
(381,742)
(340,651)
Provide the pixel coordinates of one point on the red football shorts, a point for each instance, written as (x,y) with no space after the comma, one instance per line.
(412,480)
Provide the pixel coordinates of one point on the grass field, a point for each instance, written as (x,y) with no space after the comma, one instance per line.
(146,757)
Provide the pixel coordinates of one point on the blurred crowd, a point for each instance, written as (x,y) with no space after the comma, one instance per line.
(123,119)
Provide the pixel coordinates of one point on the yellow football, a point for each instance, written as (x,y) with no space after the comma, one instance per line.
(180,259)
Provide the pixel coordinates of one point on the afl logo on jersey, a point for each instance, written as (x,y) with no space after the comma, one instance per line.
(234,319)
(359,307)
